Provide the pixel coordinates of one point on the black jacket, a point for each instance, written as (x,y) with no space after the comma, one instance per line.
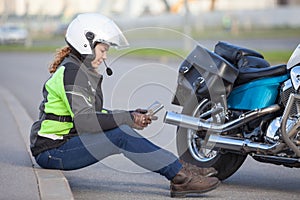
(82,89)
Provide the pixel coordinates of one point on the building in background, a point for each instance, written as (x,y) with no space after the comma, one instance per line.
(131,8)
(52,16)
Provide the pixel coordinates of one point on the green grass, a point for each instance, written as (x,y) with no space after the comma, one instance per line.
(247,34)
(213,33)
(20,48)
(51,43)
(277,57)
(149,52)
(274,57)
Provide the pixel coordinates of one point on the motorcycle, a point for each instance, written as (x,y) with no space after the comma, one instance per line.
(236,105)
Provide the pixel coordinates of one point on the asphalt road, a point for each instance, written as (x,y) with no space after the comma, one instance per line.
(137,83)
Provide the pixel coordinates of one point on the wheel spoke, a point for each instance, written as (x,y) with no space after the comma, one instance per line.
(196,140)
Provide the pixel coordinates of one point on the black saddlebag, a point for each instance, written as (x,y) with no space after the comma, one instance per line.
(204,74)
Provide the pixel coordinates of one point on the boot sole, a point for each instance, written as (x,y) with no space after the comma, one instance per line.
(175,194)
(212,174)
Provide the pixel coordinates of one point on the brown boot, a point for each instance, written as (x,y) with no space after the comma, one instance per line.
(182,184)
(196,171)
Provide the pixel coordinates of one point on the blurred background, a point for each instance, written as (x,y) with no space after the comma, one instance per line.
(161,33)
(42,24)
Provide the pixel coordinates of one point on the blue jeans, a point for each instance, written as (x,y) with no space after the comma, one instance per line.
(89,148)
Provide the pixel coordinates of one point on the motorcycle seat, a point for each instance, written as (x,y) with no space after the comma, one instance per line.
(250,73)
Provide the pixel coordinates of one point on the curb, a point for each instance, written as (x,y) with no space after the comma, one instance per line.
(52,184)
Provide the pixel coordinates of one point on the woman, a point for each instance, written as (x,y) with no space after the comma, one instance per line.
(74,131)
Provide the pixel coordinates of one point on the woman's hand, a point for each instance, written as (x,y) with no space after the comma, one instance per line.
(140,119)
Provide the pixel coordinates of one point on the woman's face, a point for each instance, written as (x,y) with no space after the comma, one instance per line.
(100,54)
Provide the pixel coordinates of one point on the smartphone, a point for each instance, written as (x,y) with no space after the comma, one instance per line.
(154,108)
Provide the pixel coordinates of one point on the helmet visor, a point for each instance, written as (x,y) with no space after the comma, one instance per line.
(111,34)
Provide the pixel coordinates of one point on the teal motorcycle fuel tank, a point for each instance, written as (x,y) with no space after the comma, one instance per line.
(256,94)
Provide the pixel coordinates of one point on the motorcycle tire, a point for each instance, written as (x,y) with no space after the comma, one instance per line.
(225,163)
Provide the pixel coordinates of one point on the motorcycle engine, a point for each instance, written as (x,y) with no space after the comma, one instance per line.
(286,89)
(273,131)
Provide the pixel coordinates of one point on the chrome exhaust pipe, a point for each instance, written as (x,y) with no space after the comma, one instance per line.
(216,141)
(199,124)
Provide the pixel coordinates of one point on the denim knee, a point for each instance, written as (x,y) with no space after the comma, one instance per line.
(48,161)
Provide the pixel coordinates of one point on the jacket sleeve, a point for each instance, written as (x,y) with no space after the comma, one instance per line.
(82,102)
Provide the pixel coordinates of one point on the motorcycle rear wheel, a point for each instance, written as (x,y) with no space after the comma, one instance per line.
(189,144)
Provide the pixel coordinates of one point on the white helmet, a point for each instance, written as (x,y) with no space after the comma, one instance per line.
(88,29)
